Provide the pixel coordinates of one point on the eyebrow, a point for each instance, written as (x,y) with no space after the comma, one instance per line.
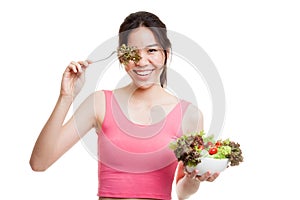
(152,45)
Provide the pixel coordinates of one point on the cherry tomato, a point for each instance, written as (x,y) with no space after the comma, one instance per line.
(213,151)
(218,143)
(200,147)
(209,144)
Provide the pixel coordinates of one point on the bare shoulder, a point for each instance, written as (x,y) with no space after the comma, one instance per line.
(170,98)
(192,119)
(193,114)
(99,95)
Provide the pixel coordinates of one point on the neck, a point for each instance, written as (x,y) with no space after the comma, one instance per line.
(150,94)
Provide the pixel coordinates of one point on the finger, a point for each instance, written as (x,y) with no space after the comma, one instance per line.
(213,177)
(194,173)
(190,174)
(84,64)
(89,61)
(72,67)
(78,66)
(204,176)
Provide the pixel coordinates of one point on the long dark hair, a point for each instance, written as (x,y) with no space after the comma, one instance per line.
(158,28)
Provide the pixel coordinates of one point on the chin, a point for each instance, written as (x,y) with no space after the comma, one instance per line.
(145,85)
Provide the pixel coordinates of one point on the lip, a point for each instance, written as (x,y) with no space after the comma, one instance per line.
(143,72)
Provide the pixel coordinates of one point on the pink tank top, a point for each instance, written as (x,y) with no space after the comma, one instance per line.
(135,160)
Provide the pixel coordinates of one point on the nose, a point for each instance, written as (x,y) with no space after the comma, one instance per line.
(144,61)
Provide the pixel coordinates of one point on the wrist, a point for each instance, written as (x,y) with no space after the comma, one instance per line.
(66,99)
(186,187)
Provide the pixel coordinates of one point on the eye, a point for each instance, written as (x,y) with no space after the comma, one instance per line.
(152,50)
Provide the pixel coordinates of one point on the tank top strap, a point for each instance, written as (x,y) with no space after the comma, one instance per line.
(108,95)
(108,117)
(184,105)
(182,109)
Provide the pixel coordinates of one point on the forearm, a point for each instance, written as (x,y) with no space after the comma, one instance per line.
(186,187)
(43,153)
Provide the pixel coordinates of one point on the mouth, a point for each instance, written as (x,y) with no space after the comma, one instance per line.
(143,72)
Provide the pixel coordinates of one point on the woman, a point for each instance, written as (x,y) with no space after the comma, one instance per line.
(134,123)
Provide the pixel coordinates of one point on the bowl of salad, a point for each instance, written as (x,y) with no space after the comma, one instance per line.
(205,153)
(209,164)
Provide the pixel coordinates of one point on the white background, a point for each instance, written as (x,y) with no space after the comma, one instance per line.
(255,46)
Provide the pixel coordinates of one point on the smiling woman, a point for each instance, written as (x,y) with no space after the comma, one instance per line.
(156,35)
(148,69)
(134,123)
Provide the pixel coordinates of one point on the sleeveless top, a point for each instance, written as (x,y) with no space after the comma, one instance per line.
(134,161)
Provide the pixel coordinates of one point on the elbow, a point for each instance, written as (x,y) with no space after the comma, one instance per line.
(37,166)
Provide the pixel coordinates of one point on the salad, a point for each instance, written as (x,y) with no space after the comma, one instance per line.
(191,147)
(128,53)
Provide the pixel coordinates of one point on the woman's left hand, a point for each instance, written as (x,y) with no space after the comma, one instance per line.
(189,182)
(204,177)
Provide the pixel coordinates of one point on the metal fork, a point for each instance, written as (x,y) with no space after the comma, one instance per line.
(105,58)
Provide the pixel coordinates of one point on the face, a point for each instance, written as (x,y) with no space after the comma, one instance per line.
(146,72)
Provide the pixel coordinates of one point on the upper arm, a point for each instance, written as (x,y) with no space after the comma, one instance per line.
(87,116)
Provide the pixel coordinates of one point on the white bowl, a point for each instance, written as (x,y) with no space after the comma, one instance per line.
(210,164)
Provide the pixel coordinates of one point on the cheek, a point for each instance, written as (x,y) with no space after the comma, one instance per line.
(158,60)
(128,67)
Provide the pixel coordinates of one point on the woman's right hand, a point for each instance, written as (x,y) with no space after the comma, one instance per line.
(74,78)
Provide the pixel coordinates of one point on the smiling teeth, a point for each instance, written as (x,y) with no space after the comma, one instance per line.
(143,73)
